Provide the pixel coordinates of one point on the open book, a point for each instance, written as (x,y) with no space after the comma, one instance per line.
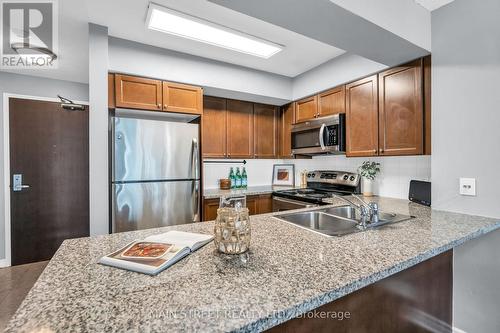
(156,253)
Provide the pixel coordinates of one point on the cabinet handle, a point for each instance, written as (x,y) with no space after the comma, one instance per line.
(381,151)
(165,106)
(159,106)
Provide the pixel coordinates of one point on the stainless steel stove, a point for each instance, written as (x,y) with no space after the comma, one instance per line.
(320,185)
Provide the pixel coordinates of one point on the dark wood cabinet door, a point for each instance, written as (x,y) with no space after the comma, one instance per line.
(362,117)
(182,98)
(253,204)
(265,130)
(138,93)
(331,101)
(239,129)
(265,204)
(400,110)
(306,109)
(427,105)
(214,127)
(210,207)
(285,130)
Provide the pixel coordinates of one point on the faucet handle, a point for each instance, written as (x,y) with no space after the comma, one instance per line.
(373,206)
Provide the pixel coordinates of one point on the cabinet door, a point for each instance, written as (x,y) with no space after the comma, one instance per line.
(252,204)
(137,93)
(285,130)
(265,204)
(401,111)
(427,105)
(239,129)
(210,207)
(265,130)
(111,91)
(332,101)
(362,117)
(306,109)
(214,127)
(182,98)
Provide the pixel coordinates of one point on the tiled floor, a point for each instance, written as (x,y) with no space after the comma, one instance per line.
(15,283)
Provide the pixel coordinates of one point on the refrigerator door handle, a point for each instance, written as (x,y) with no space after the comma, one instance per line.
(196,154)
(196,202)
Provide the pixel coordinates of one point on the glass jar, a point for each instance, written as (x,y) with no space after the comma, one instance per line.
(232,230)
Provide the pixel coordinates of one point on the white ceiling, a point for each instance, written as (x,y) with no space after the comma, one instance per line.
(433,4)
(126,19)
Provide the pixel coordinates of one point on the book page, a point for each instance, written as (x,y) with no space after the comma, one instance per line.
(181,238)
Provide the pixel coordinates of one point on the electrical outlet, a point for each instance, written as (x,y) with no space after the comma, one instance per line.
(468,186)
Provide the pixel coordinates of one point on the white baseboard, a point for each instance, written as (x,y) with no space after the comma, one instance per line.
(4,263)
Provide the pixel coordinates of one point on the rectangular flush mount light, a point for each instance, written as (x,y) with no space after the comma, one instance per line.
(179,24)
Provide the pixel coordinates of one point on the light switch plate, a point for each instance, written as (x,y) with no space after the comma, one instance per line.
(468,186)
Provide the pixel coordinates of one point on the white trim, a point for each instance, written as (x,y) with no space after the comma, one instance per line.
(6,157)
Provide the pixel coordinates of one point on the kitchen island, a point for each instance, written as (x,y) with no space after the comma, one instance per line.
(288,272)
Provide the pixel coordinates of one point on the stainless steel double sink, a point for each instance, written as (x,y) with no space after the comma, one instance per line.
(338,221)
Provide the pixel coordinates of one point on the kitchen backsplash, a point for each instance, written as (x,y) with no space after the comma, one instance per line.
(393,181)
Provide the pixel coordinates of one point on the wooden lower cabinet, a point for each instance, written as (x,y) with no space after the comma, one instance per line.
(418,299)
(257,204)
(362,117)
(401,112)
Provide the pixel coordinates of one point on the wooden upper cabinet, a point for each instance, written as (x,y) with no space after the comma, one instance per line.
(182,98)
(427,105)
(285,131)
(331,101)
(306,109)
(111,91)
(265,130)
(362,117)
(214,127)
(240,142)
(138,93)
(401,110)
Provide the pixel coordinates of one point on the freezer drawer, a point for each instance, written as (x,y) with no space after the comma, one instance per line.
(145,149)
(146,205)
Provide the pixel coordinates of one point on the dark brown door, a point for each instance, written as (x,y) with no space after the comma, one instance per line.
(286,120)
(332,101)
(265,130)
(401,111)
(138,93)
(306,109)
(239,129)
(214,127)
(49,148)
(362,117)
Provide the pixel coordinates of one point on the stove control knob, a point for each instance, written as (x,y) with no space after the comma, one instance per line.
(346,177)
(308,175)
(313,175)
(352,178)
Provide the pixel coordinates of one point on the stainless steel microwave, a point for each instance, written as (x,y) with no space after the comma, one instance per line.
(326,135)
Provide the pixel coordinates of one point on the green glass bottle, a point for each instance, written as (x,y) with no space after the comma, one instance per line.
(232,178)
(238,178)
(244,178)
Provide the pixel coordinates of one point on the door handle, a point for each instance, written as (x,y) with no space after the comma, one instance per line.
(321,139)
(17,183)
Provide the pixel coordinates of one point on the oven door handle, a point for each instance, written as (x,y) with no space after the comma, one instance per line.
(321,138)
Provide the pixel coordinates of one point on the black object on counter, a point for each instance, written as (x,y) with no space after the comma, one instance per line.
(420,192)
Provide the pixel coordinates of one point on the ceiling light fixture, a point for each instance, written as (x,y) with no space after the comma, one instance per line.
(179,24)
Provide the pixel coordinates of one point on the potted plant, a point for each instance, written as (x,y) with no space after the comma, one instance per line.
(369,171)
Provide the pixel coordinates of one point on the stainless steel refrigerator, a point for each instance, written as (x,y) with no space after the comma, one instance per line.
(155,173)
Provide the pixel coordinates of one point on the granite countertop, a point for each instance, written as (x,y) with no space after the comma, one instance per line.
(252,190)
(287,272)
